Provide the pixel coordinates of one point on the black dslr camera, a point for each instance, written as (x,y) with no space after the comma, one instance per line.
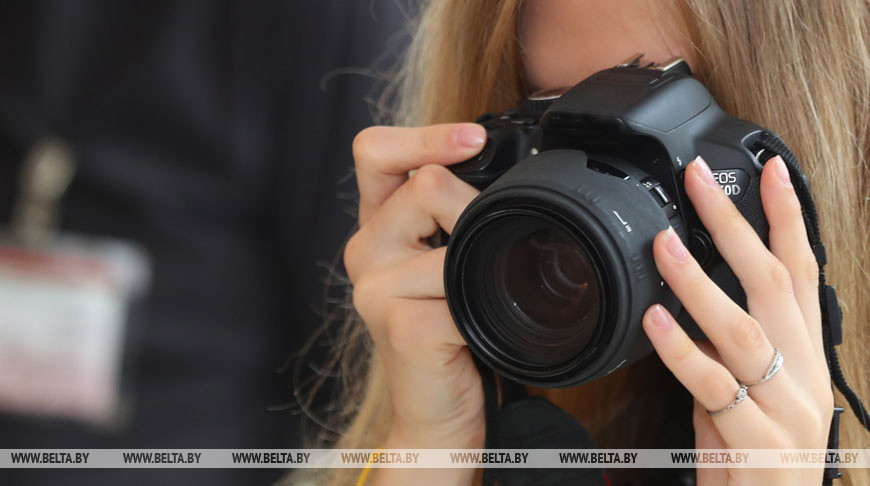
(549,270)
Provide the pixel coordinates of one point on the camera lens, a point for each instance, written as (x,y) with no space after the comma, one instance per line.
(549,278)
(538,286)
(549,270)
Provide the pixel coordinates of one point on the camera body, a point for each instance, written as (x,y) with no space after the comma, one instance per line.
(574,189)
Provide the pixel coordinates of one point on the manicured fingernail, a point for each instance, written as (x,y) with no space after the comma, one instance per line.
(781,170)
(659,318)
(704,172)
(471,136)
(675,247)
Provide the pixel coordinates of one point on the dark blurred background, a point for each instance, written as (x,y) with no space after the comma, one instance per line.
(216,134)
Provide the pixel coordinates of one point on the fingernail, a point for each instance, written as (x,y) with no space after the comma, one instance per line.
(471,136)
(659,318)
(675,247)
(704,173)
(781,170)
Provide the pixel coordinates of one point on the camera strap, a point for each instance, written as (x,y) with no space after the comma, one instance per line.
(524,422)
(770,145)
(520,417)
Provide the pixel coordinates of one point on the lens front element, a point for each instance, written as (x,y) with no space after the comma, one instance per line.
(539,291)
(550,279)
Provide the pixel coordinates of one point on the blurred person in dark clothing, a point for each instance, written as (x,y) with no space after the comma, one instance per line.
(201,132)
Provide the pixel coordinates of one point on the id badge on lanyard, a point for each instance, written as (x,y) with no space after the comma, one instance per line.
(65,304)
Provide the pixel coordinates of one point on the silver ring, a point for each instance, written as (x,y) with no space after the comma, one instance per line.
(741,395)
(775,366)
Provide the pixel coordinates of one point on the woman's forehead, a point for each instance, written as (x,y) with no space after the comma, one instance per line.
(565,41)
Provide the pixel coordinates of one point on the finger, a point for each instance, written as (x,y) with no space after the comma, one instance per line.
(711,438)
(707,348)
(707,436)
(385,155)
(708,381)
(767,282)
(433,198)
(755,391)
(735,239)
(419,276)
(789,243)
(425,356)
(421,330)
(739,339)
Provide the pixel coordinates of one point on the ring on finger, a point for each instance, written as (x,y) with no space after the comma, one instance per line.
(741,395)
(775,366)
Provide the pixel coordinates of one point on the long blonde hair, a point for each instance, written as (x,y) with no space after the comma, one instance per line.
(798,67)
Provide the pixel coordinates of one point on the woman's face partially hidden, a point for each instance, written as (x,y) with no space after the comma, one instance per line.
(566,41)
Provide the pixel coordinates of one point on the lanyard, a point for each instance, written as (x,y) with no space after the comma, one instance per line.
(45,175)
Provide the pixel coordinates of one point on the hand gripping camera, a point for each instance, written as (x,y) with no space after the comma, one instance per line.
(548,271)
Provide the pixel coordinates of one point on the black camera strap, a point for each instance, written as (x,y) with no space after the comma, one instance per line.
(832,317)
(524,422)
(505,423)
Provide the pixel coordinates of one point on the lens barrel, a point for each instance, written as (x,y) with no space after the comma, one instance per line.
(549,269)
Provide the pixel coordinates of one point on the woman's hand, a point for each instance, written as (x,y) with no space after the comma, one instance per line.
(793,409)
(398,283)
